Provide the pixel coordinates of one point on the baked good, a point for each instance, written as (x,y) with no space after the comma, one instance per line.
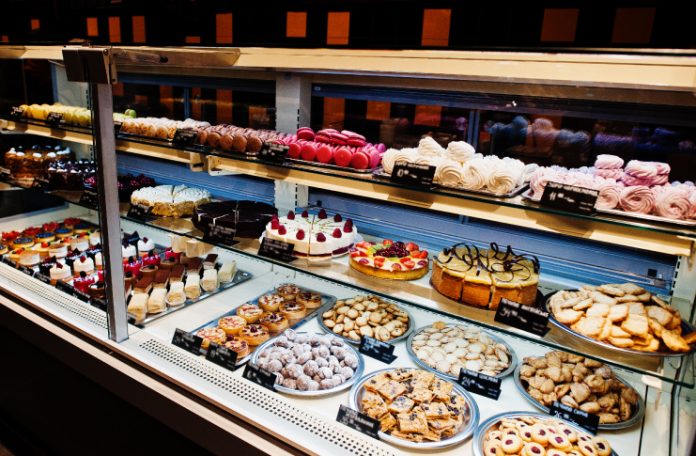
(128,250)
(161,279)
(149,270)
(144,284)
(210,261)
(82,282)
(288,291)
(145,246)
(241,347)
(313,236)
(194,265)
(249,312)
(192,288)
(60,272)
(227,271)
(209,335)
(23,242)
(389,260)
(623,315)
(46,265)
(309,362)
(133,264)
(254,334)
(414,405)
(177,273)
(292,310)
(273,321)
(578,382)
(79,242)
(481,277)
(41,249)
(97,290)
(209,282)
(155,303)
(248,219)
(270,302)
(151,258)
(232,324)
(84,264)
(309,299)
(3,249)
(176,295)
(137,306)
(366,316)
(64,232)
(46,236)
(29,258)
(58,249)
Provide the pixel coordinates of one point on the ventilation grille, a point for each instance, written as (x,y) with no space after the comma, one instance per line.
(68,303)
(329,431)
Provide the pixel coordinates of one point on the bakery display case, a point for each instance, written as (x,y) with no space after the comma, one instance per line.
(354,252)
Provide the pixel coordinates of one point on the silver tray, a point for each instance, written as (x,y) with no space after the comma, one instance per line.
(343,386)
(326,300)
(686,328)
(636,418)
(502,374)
(456,190)
(330,166)
(409,330)
(481,430)
(464,433)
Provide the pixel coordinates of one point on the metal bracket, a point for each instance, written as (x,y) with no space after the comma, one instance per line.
(89,64)
(210,165)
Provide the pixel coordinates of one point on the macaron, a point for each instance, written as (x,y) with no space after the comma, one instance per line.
(343,156)
(309,152)
(324,154)
(360,160)
(305,133)
(294,150)
(323,138)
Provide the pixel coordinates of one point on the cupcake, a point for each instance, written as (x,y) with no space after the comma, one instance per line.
(145,247)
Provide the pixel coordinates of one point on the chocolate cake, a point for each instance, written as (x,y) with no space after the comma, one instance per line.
(248,218)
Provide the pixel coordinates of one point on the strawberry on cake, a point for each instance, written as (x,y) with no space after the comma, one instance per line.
(390,260)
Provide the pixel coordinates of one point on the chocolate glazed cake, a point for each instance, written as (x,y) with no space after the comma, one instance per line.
(248,218)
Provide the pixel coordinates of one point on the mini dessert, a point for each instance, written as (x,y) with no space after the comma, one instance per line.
(239,346)
(232,324)
(292,310)
(99,261)
(144,285)
(72,257)
(29,258)
(96,290)
(390,260)
(128,251)
(170,254)
(288,291)
(194,266)
(193,286)
(82,282)
(176,295)
(366,316)
(50,227)
(133,265)
(46,265)
(71,222)
(209,282)
(178,244)
(209,335)
(210,261)
(58,249)
(246,218)
(249,312)
(274,321)
(161,279)
(138,306)
(60,272)
(145,247)
(41,249)
(3,249)
(15,254)
(155,303)
(314,236)
(80,243)
(9,236)
(22,243)
(65,232)
(481,277)
(309,299)
(227,271)
(194,248)
(270,302)
(31,232)
(93,250)
(149,271)
(151,259)
(169,263)
(48,236)
(128,278)
(82,227)
(95,238)
(253,334)
(169,200)
(177,274)
(84,264)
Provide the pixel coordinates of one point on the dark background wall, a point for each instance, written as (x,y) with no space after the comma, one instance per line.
(355,23)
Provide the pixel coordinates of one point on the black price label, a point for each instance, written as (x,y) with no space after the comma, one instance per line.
(479,383)
(588,421)
(89,198)
(569,198)
(43,278)
(54,118)
(65,287)
(278,250)
(98,303)
(222,356)
(140,212)
(413,174)
(16,112)
(358,421)
(218,234)
(262,377)
(6,259)
(381,351)
(189,342)
(27,270)
(274,152)
(131,238)
(520,316)
(81,295)
(185,137)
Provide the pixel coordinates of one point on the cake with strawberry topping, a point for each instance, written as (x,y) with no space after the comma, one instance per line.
(315,236)
(390,260)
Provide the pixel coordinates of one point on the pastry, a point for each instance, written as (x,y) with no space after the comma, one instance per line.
(80,243)
(366,316)
(29,258)
(161,279)
(149,270)
(84,264)
(210,261)
(270,302)
(138,306)
(82,282)
(22,242)
(227,271)
(193,266)
(151,258)
(58,249)
(64,232)
(254,334)
(156,304)
(193,286)
(60,272)
(145,247)
(309,299)
(144,285)
(3,249)
(47,236)
(209,282)
(128,251)
(390,260)
(239,346)
(46,265)
(177,273)
(194,248)
(273,321)
(449,348)
(209,335)
(97,290)
(288,291)
(232,324)
(169,200)
(248,219)
(82,227)
(176,295)
(249,312)
(482,277)
(292,310)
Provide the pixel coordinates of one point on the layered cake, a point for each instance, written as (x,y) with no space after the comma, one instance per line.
(390,260)
(314,236)
(170,200)
(481,277)
(248,218)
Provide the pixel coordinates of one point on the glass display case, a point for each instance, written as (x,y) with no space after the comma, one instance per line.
(356,252)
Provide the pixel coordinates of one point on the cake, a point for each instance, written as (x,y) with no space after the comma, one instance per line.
(60,272)
(481,277)
(248,218)
(390,260)
(170,200)
(227,271)
(314,236)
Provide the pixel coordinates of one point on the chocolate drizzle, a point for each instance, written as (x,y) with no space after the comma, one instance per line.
(507,268)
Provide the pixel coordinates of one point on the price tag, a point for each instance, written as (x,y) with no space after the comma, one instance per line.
(588,421)
(278,250)
(54,119)
(520,316)
(98,303)
(185,137)
(27,270)
(16,112)
(218,234)
(131,238)
(274,152)
(140,212)
(413,174)
(262,377)
(381,351)
(89,198)
(479,383)
(82,296)
(189,342)
(358,421)
(43,278)
(65,287)
(569,198)
(222,356)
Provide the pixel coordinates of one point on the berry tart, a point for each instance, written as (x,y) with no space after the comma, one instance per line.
(274,321)
(270,302)
(209,335)
(249,312)
(254,334)
(232,324)
(293,310)
(239,346)
(390,260)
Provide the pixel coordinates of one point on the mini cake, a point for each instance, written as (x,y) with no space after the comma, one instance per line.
(247,218)
(210,261)
(95,238)
(227,271)
(390,260)
(60,272)
(313,236)
(138,306)
(193,286)
(176,295)
(84,264)
(82,282)
(155,303)
(9,236)
(133,265)
(82,227)
(41,249)
(169,200)
(29,258)
(145,247)
(209,282)
(177,273)
(193,266)
(209,335)
(128,250)
(48,236)
(72,257)
(239,346)
(151,259)
(270,302)
(22,243)
(149,270)
(58,249)
(254,334)
(99,261)
(65,232)
(169,263)
(161,278)
(15,254)
(481,277)
(144,285)
(46,265)
(80,243)
(288,291)
(249,312)
(193,248)
(232,324)
(3,249)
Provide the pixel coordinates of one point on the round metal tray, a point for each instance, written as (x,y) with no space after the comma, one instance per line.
(686,328)
(636,418)
(481,430)
(343,386)
(327,307)
(465,432)
(502,374)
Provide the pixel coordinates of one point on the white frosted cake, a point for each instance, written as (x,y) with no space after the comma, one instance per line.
(169,200)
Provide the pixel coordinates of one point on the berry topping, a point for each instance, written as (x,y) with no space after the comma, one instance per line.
(409,264)
(379,261)
(300,235)
(392,250)
(387,242)
(396,267)
(422,263)
(336,233)
(363,261)
(291,215)
(321,237)
(83,259)
(282,230)
(305,214)
(322,214)
(411,246)
(275,224)
(338,218)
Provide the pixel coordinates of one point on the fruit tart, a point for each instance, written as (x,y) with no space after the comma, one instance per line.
(390,260)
